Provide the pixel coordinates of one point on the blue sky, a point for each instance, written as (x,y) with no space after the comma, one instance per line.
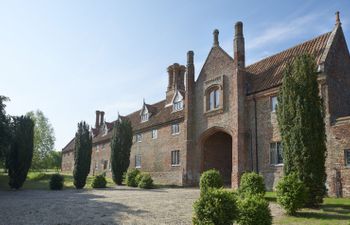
(69,58)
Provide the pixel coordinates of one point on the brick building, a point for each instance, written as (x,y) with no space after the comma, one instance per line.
(225,119)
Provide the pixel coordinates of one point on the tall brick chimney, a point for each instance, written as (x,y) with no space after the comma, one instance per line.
(176,76)
(97,123)
(216,38)
(102,115)
(238,46)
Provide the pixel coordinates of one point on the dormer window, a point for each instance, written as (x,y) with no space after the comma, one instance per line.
(144,114)
(178,102)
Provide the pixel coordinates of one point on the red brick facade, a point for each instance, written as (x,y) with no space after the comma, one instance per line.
(225,118)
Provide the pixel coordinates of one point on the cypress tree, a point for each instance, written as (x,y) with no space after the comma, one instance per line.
(82,155)
(301,122)
(120,149)
(5,134)
(20,155)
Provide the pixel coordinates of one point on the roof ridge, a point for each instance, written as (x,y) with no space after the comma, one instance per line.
(290,48)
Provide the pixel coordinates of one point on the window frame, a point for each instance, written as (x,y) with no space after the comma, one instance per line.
(154,133)
(138,137)
(175,158)
(347,158)
(276,153)
(138,161)
(273,104)
(175,131)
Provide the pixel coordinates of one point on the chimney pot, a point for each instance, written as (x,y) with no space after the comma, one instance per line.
(97,122)
(102,117)
(337,18)
(239,29)
(216,38)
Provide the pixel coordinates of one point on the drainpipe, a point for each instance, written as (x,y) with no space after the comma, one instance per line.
(256,137)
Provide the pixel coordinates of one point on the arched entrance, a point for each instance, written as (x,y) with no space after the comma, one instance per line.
(217,153)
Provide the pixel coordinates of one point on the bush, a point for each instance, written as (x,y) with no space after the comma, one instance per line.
(291,193)
(145,180)
(254,209)
(215,206)
(138,178)
(99,181)
(210,179)
(131,177)
(56,182)
(252,184)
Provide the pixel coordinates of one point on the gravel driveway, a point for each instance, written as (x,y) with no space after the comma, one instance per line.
(120,205)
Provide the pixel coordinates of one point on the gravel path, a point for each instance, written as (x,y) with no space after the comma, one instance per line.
(120,205)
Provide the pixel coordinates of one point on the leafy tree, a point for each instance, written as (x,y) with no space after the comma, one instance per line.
(21,151)
(44,139)
(5,134)
(82,155)
(301,121)
(53,160)
(120,149)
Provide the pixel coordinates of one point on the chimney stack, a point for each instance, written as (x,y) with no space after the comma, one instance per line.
(97,123)
(102,117)
(238,43)
(216,38)
(337,18)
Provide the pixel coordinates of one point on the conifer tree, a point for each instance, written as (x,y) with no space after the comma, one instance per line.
(5,135)
(82,155)
(301,122)
(20,154)
(120,149)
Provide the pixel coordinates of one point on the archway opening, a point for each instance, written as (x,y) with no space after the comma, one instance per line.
(217,154)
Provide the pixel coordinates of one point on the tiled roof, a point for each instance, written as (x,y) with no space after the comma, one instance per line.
(69,146)
(268,72)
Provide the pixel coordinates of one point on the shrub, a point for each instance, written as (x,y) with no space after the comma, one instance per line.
(291,193)
(252,184)
(56,182)
(210,179)
(138,178)
(131,177)
(99,181)
(145,180)
(215,206)
(254,209)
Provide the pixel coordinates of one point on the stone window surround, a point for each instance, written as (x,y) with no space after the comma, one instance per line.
(154,133)
(347,158)
(175,131)
(206,99)
(138,161)
(175,158)
(273,110)
(138,137)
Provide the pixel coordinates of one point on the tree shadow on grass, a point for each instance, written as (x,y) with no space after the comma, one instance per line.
(336,208)
(62,207)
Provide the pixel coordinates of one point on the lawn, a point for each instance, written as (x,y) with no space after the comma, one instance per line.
(40,180)
(332,211)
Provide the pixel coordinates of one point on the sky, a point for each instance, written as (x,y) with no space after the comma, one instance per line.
(70,58)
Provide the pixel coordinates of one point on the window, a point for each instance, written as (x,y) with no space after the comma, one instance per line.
(138,137)
(214,99)
(347,157)
(144,117)
(175,128)
(276,153)
(175,158)
(178,102)
(274,103)
(137,161)
(154,134)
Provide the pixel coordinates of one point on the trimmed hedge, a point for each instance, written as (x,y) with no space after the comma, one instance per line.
(253,210)
(99,181)
(252,184)
(145,181)
(56,182)
(210,179)
(291,193)
(130,178)
(215,206)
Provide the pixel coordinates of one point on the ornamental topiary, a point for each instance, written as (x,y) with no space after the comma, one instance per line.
(215,206)
(291,193)
(99,181)
(131,177)
(252,184)
(145,180)
(253,210)
(56,182)
(210,179)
